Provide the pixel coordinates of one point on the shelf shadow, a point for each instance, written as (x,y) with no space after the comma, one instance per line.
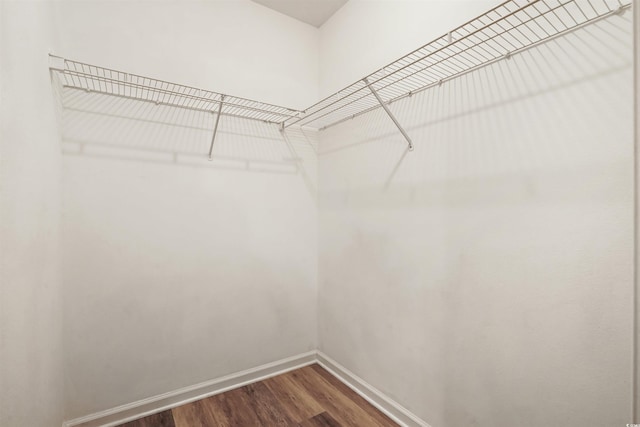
(466,125)
(100,125)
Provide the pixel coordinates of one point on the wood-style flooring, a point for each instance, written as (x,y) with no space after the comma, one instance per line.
(305,397)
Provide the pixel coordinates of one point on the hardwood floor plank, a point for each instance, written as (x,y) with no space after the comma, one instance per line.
(305,397)
(320,420)
(214,405)
(162,419)
(295,400)
(343,409)
(268,409)
(237,409)
(355,397)
(195,414)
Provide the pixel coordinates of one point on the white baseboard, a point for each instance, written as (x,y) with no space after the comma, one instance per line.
(389,407)
(122,414)
(153,405)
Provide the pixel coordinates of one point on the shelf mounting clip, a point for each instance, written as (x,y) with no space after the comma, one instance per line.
(389,113)
(215,127)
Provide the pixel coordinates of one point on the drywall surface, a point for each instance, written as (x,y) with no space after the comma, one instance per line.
(486,277)
(365,35)
(31,392)
(179,270)
(236,47)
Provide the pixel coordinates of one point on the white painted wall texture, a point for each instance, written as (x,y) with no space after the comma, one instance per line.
(486,277)
(30,302)
(178,270)
(178,273)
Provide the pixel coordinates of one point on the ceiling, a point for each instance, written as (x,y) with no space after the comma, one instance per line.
(314,12)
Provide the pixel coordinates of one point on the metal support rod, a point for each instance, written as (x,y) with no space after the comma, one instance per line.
(215,128)
(393,118)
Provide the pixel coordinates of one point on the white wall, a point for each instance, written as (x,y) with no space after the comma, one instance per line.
(31,392)
(177,274)
(486,277)
(177,270)
(230,46)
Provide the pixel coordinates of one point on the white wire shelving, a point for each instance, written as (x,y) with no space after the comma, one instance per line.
(76,75)
(509,28)
(91,78)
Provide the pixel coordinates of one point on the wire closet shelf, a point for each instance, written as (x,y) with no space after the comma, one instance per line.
(91,78)
(509,28)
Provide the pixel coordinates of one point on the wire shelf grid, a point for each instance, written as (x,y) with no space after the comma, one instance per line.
(511,27)
(91,78)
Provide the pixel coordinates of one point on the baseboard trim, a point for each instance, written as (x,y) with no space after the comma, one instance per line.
(142,408)
(389,407)
(122,414)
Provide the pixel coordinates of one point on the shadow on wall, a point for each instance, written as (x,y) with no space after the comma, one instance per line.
(101,125)
(484,278)
(526,93)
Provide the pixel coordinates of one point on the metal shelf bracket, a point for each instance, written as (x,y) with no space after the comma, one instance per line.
(215,128)
(389,113)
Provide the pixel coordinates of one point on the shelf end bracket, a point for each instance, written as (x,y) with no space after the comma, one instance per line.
(389,113)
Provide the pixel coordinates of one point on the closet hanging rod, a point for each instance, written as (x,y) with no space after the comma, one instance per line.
(202,110)
(507,29)
(90,78)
